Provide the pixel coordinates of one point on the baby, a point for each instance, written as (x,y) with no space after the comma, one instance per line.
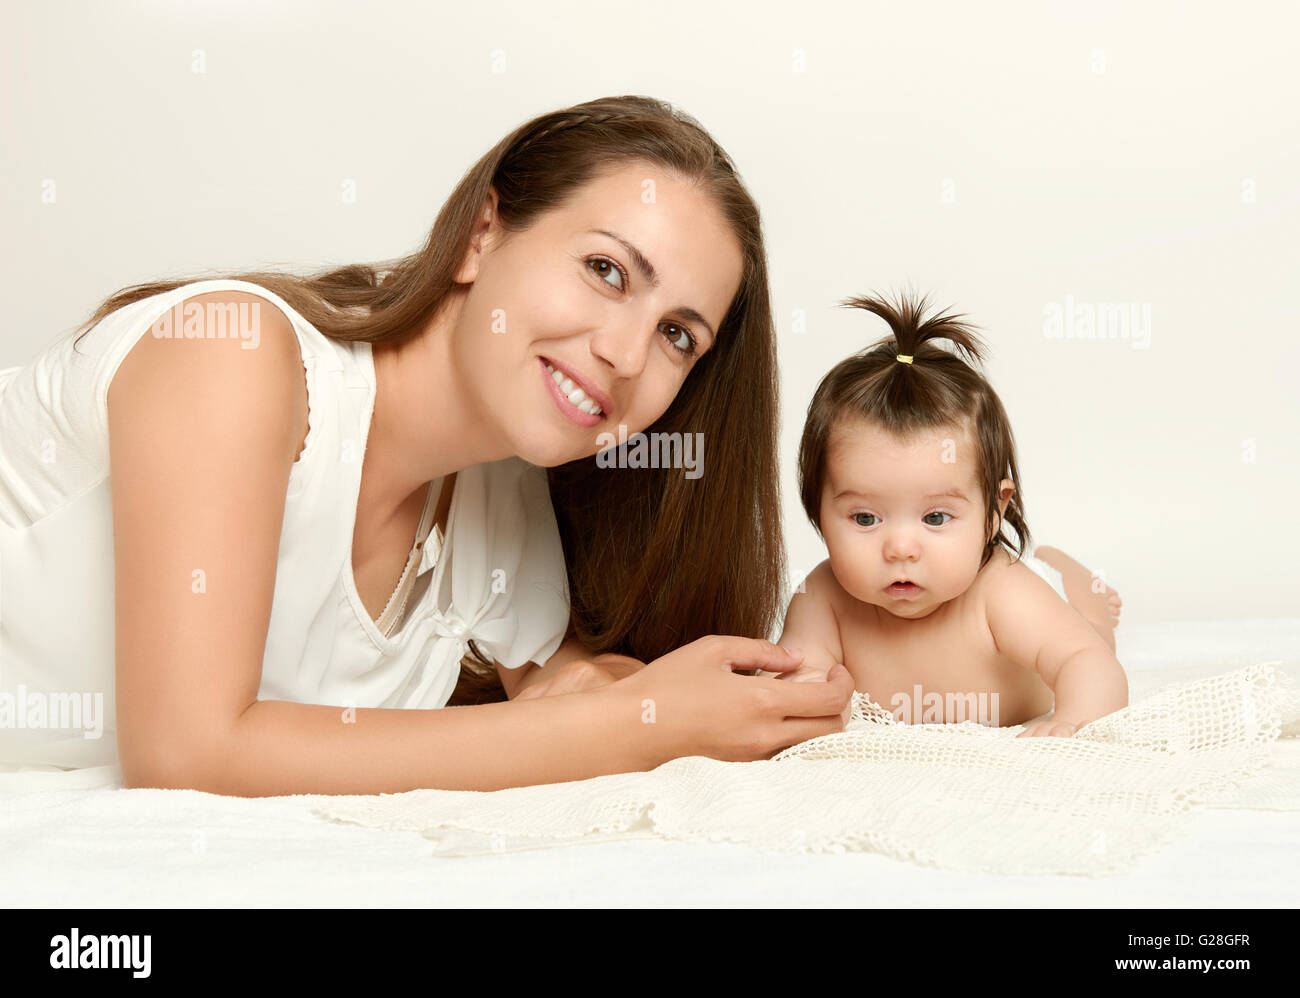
(907,469)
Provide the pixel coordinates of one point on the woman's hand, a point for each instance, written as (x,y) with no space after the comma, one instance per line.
(698,705)
(581,674)
(819,673)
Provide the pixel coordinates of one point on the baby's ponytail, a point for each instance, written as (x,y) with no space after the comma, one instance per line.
(914,333)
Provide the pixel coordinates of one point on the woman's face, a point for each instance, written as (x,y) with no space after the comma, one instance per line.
(573,293)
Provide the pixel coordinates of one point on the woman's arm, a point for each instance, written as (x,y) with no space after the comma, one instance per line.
(277,748)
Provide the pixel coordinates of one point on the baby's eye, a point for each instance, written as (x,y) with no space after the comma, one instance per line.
(928,522)
(857,518)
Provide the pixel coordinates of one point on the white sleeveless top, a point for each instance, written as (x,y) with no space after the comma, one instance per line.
(498,578)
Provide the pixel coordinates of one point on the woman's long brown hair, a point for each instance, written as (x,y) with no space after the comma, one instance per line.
(654,559)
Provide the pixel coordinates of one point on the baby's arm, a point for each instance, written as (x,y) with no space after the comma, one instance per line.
(1035,628)
(810,625)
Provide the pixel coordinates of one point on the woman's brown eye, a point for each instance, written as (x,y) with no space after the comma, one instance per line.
(597,262)
(688,347)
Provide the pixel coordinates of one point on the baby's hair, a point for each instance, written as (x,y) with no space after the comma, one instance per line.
(938,388)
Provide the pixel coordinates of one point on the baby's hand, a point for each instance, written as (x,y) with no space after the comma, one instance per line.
(1049,727)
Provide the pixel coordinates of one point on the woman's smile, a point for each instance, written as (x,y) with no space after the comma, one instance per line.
(571,398)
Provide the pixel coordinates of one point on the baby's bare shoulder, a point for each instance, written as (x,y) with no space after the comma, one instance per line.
(1000,569)
(1005,570)
(822,586)
(1000,573)
(821,582)
(851,615)
(1006,586)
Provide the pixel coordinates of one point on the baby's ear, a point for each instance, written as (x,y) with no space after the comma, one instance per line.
(1006,489)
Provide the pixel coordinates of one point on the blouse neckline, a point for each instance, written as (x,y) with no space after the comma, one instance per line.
(391,615)
(387,643)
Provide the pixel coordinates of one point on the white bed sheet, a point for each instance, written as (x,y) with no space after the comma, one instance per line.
(108,847)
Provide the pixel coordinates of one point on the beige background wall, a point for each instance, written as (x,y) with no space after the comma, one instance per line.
(1006,159)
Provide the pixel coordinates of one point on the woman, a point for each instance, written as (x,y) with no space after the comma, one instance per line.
(601,267)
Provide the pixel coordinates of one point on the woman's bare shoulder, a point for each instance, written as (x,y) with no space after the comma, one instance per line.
(237,346)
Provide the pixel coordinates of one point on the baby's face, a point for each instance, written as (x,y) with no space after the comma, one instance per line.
(909,510)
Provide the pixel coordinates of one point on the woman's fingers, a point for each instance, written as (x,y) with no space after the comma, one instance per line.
(813,700)
(753,653)
(796,730)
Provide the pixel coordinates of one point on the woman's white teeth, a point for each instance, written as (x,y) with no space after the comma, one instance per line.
(575,395)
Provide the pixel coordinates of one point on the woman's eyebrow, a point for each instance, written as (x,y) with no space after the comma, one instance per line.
(647,269)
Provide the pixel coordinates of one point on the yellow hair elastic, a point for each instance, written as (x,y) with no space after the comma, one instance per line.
(906,358)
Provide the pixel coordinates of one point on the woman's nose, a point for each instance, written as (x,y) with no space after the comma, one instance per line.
(623,348)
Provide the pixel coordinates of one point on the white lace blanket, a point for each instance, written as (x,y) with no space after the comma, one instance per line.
(959,796)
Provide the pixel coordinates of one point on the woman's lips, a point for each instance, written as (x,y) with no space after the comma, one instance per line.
(562,403)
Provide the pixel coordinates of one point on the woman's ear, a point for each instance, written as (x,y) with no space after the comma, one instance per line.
(479,239)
